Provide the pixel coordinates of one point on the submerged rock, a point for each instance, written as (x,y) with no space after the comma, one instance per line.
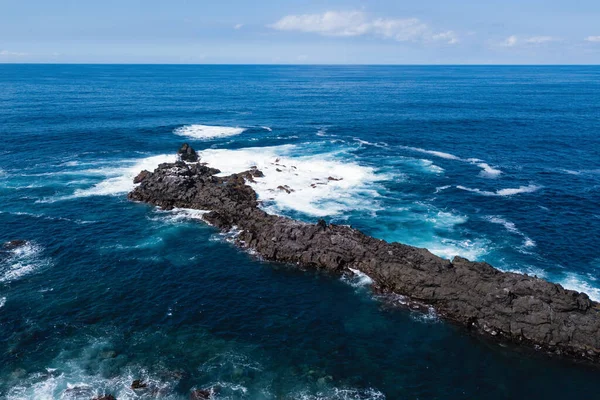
(200,394)
(502,305)
(14,244)
(138,384)
(105,397)
(186,153)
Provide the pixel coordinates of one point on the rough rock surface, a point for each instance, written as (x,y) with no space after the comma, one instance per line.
(186,153)
(105,397)
(506,306)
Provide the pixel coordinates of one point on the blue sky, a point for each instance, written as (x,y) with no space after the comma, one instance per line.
(298,32)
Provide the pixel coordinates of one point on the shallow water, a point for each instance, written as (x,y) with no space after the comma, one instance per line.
(499,164)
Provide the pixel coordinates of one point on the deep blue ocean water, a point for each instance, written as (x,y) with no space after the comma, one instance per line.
(498,164)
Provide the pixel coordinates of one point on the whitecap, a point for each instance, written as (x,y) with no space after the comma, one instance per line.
(511,227)
(266,128)
(207,131)
(341,394)
(364,142)
(2,301)
(440,154)
(487,171)
(316,185)
(502,192)
(119,179)
(429,166)
(442,188)
(22,261)
(445,220)
(449,248)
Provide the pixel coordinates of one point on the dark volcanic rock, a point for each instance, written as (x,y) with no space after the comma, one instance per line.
(138,384)
(105,397)
(186,153)
(503,305)
(141,176)
(200,394)
(14,244)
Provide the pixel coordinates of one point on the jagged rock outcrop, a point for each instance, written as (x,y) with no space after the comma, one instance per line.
(186,153)
(503,305)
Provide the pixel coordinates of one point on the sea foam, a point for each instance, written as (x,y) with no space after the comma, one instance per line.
(208,131)
(511,227)
(119,179)
(22,261)
(487,171)
(316,185)
(577,282)
(502,192)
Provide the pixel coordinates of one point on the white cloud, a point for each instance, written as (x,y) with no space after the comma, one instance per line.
(11,53)
(449,36)
(539,39)
(514,40)
(510,41)
(358,23)
(592,39)
(238,26)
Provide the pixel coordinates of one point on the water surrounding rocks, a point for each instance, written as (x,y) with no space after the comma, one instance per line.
(506,306)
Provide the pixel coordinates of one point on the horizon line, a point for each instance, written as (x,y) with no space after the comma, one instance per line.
(307,64)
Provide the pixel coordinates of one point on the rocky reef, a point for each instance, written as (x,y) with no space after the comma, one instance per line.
(506,306)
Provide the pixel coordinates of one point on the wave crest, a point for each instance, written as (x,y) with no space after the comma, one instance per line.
(207,131)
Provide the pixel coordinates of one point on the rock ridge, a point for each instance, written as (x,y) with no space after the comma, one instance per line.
(506,306)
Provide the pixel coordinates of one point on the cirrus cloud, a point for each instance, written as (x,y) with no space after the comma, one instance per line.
(358,23)
(11,53)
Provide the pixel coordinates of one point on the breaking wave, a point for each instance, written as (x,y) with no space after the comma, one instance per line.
(316,185)
(487,171)
(502,192)
(511,227)
(208,131)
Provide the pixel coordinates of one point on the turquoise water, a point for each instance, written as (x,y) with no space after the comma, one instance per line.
(499,164)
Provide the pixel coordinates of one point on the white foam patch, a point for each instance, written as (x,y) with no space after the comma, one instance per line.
(357,278)
(22,261)
(47,217)
(429,166)
(502,192)
(341,394)
(577,282)
(487,171)
(266,128)
(364,142)
(511,227)
(2,301)
(119,179)
(177,215)
(440,189)
(207,131)
(449,248)
(440,154)
(445,220)
(316,185)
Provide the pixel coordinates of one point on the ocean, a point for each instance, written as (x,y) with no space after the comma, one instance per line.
(498,164)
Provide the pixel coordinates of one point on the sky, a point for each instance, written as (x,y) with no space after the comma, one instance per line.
(300,32)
